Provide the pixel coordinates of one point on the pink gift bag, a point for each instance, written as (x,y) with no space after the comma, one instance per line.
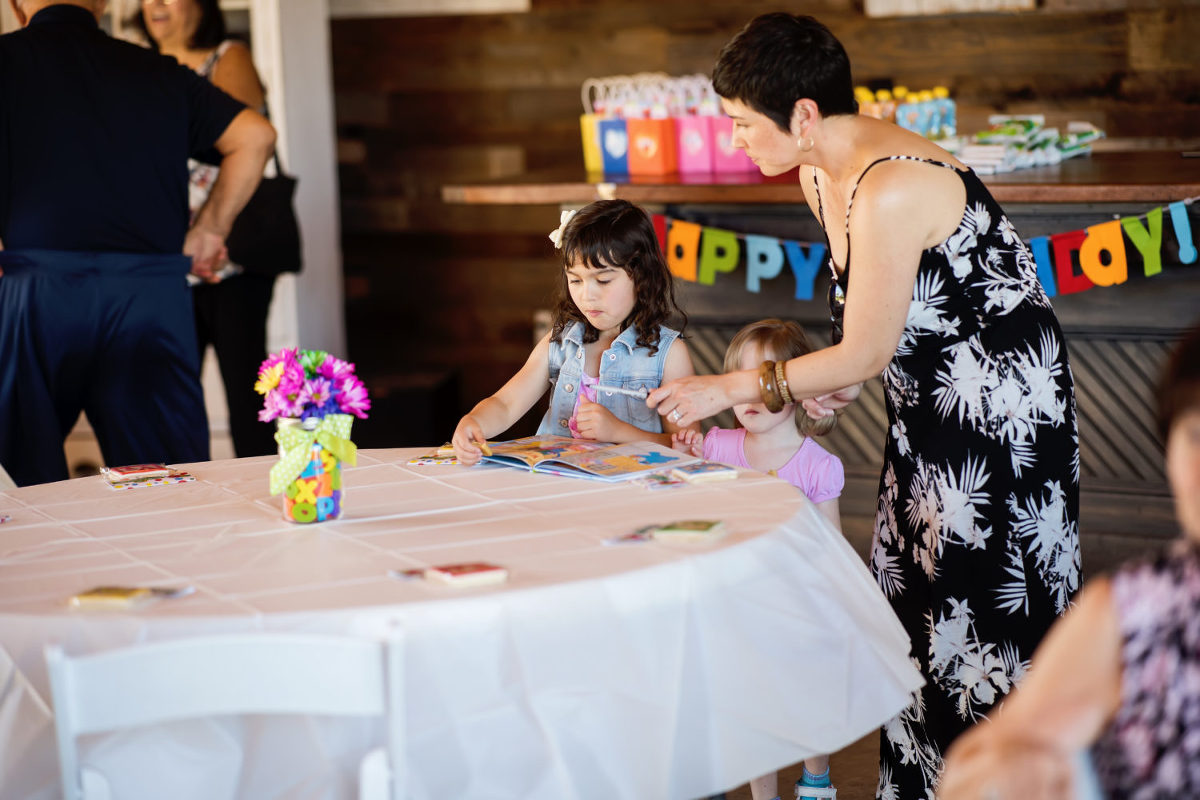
(694,146)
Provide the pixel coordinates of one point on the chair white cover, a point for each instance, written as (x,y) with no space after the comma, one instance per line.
(267,673)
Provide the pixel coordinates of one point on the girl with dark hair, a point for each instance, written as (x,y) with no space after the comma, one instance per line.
(1120,673)
(976,541)
(231,312)
(616,296)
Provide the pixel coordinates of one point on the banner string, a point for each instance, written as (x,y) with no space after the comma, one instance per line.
(1187,201)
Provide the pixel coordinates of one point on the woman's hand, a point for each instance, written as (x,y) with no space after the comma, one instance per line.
(594,421)
(826,405)
(465,441)
(982,764)
(687,400)
(690,441)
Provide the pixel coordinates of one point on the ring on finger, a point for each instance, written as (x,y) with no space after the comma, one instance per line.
(675,415)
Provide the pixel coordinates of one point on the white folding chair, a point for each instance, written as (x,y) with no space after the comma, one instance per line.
(235,674)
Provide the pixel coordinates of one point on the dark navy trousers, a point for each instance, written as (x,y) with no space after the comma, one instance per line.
(111,334)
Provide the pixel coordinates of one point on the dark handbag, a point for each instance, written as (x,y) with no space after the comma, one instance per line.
(265,238)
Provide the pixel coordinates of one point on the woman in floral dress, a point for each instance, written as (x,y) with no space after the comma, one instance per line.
(976,536)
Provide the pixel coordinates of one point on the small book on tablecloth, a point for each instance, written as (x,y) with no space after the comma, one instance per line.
(478,573)
(138,476)
(437,456)
(705,471)
(690,530)
(119,597)
(134,472)
(585,458)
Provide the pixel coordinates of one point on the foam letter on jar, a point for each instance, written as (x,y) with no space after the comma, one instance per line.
(1147,242)
(764,260)
(1064,245)
(719,252)
(804,266)
(1106,237)
(683,246)
(1183,232)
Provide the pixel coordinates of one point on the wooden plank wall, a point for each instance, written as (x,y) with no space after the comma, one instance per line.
(452,290)
(425,101)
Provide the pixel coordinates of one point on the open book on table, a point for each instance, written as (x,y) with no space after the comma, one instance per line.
(584,458)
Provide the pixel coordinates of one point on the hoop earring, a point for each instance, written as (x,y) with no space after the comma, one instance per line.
(805,145)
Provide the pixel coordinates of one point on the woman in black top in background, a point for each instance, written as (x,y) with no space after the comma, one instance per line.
(231,314)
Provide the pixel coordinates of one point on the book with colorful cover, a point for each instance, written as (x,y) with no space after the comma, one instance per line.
(585,458)
(704,471)
(478,573)
(689,530)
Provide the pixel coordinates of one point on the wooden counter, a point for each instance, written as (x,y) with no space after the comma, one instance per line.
(1156,176)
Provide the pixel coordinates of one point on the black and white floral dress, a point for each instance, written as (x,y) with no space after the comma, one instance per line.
(976,540)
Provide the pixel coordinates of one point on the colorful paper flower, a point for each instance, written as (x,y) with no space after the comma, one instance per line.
(308,384)
(352,399)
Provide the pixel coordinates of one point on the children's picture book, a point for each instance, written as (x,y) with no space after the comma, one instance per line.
(585,458)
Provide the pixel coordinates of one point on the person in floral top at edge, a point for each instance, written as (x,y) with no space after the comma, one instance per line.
(976,540)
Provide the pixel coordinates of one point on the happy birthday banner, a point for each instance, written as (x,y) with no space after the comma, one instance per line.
(697,252)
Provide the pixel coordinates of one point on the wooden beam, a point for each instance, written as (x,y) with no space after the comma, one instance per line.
(345,9)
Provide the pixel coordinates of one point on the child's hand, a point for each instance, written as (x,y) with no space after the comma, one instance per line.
(688,440)
(826,405)
(594,421)
(465,441)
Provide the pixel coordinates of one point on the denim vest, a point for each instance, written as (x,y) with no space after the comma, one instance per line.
(623,364)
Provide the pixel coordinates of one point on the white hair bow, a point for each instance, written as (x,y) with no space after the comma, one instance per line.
(557,234)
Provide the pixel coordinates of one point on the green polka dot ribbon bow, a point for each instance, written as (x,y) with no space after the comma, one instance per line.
(296,443)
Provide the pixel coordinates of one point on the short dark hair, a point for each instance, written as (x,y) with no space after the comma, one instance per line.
(780,58)
(210,30)
(1179,389)
(617,233)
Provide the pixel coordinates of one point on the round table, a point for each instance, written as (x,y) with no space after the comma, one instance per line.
(598,670)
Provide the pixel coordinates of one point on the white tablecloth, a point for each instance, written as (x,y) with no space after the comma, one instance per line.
(598,671)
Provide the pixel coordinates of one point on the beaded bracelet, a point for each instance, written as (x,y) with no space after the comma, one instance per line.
(781,382)
(767,388)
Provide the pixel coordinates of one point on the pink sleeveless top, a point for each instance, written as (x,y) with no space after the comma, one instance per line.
(813,469)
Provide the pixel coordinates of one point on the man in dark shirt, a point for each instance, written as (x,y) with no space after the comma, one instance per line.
(95,312)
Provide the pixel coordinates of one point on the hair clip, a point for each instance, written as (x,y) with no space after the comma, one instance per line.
(557,234)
